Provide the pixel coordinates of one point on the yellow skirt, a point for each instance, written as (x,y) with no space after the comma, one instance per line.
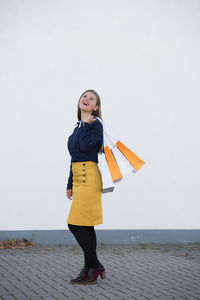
(86,207)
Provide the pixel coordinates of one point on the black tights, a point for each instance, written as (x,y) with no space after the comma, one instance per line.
(86,238)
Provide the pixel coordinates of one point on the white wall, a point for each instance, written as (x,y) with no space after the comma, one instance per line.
(142,57)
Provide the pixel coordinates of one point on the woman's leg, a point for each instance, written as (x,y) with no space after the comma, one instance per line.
(87,241)
(94,239)
(93,235)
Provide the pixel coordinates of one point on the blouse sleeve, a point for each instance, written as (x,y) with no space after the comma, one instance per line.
(90,135)
(70,178)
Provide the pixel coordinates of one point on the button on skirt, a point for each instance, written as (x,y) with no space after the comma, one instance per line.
(86,206)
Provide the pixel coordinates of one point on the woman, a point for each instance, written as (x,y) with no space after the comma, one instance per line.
(85,184)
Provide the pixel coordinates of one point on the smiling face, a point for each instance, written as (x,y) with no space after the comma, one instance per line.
(88,102)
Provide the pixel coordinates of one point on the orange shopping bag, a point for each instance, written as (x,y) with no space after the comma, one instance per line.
(120,159)
(136,162)
(112,164)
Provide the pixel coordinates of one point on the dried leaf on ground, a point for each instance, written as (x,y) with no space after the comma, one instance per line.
(15,243)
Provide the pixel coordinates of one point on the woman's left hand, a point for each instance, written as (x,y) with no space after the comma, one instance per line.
(90,119)
(69,194)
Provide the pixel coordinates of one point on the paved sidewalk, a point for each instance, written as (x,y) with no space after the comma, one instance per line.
(139,271)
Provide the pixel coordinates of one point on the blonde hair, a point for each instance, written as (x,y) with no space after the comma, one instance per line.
(96,113)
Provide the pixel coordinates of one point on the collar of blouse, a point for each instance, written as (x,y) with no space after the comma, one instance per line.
(79,123)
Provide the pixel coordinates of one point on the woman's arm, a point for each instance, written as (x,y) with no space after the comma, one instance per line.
(70,178)
(90,135)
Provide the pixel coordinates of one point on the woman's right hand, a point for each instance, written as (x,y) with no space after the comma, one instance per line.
(69,194)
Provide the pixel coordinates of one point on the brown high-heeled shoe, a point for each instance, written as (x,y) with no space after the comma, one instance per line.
(92,275)
(82,275)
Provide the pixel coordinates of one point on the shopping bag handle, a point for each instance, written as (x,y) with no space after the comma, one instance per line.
(102,143)
(105,132)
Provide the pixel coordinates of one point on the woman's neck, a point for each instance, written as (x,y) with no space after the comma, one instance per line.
(84,114)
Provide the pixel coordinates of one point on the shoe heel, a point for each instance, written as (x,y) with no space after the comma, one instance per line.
(102,274)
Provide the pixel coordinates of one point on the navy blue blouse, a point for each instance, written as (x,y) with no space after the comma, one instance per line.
(84,144)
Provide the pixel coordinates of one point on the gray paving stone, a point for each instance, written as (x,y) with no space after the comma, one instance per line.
(140,272)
